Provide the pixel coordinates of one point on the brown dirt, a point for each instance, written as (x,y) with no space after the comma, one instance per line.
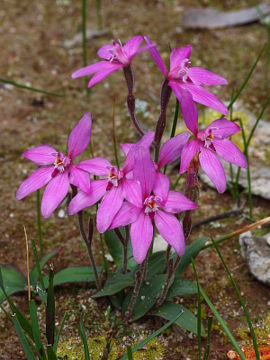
(32,33)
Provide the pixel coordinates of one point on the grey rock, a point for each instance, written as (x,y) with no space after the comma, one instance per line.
(77,39)
(256,251)
(211,18)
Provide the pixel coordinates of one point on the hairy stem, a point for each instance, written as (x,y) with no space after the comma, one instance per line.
(166,286)
(125,251)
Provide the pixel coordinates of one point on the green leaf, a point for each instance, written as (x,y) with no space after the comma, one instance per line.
(182,287)
(26,348)
(50,311)
(85,345)
(187,320)
(55,345)
(152,336)
(117,299)
(13,281)
(34,273)
(115,247)
(35,327)
(222,324)
(156,264)
(50,353)
(115,283)
(192,251)
(148,295)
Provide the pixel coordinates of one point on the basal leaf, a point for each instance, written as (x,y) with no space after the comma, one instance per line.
(115,283)
(13,281)
(182,287)
(43,261)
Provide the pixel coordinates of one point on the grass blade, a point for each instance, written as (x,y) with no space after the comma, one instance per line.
(39,224)
(85,345)
(209,328)
(246,79)
(222,324)
(252,333)
(50,311)
(129,353)
(30,88)
(99,15)
(152,336)
(26,348)
(199,315)
(35,327)
(55,345)
(37,264)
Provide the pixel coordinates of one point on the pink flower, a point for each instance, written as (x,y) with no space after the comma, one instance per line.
(183,77)
(114,57)
(62,172)
(148,205)
(209,142)
(118,185)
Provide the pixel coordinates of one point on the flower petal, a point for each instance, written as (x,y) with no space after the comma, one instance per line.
(79,178)
(145,141)
(171,230)
(230,152)
(35,181)
(133,192)
(156,57)
(80,136)
(172,148)
(91,69)
(144,171)
(96,166)
(99,76)
(162,185)
(105,52)
(178,55)
(200,76)
(125,216)
(141,234)
(222,128)
(187,154)
(109,207)
(54,193)
(213,168)
(84,200)
(205,98)
(41,155)
(132,45)
(189,111)
(177,202)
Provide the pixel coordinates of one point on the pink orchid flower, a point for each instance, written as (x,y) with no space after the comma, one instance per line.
(209,142)
(62,172)
(169,152)
(114,56)
(183,77)
(118,185)
(148,205)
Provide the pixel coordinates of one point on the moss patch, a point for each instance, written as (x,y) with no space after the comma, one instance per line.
(262,331)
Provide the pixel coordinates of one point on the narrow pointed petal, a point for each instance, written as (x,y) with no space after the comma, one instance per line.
(145,141)
(99,76)
(222,128)
(189,111)
(141,234)
(41,155)
(187,154)
(91,69)
(230,152)
(205,98)
(132,45)
(162,185)
(156,57)
(79,178)
(213,168)
(142,49)
(84,200)
(35,181)
(133,192)
(80,136)
(144,171)
(54,193)
(177,202)
(172,148)
(105,52)
(96,166)
(109,207)
(200,76)
(125,216)
(171,230)
(178,55)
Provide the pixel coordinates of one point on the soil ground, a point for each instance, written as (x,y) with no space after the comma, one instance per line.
(32,36)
